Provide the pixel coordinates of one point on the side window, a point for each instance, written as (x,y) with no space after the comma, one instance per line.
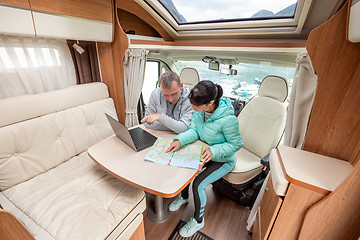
(163,68)
(152,70)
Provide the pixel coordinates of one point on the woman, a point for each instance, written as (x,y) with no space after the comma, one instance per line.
(213,122)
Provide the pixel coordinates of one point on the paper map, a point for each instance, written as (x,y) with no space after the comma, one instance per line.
(188,156)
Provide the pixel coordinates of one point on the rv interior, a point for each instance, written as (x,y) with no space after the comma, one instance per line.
(290,67)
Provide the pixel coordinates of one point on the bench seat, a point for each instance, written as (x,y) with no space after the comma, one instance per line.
(47,179)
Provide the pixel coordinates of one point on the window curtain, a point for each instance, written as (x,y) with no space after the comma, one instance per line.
(301,101)
(86,64)
(34,65)
(134,72)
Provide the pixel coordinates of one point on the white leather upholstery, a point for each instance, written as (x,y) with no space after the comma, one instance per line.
(261,123)
(34,146)
(77,200)
(34,229)
(46,173)
(24,107)
(189,76)
(245,169)
(280,184)
(274,87)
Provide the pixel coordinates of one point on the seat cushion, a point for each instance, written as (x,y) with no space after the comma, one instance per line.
(77,200)
(247,166)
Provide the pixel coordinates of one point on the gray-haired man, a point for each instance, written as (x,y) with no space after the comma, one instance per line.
(169,107)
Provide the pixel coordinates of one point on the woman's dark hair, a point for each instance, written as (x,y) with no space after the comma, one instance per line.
(204,92)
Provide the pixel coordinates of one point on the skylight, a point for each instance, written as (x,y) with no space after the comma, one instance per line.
(191,18)
(196,11)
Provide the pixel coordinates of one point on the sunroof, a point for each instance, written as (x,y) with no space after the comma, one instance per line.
(198,11)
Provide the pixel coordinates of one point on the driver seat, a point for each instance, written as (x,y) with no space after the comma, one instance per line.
(189,76)
(261,123)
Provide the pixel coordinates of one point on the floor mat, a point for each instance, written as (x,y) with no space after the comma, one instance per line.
(197,236)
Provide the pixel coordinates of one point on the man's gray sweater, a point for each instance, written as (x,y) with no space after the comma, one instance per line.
(175,117)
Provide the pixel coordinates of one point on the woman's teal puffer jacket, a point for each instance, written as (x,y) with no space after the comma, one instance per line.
(220,131)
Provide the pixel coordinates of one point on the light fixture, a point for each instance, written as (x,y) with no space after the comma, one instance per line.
(78,48)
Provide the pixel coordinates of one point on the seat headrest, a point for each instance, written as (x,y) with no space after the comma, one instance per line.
(189,76)
(274,87)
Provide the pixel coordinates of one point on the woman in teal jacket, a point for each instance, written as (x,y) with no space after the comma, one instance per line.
(214,123)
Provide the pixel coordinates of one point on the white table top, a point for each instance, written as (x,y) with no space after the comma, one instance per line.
(313,171)
(124,163)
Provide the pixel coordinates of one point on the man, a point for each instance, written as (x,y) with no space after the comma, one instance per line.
(169,107)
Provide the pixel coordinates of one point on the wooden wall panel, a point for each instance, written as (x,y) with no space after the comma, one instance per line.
(11,228)
(337,216)
(270,206)
(334,126)
(20,3)
(111,56)
(139,233)
(132,7)
(289,221)
(100,10)
(129,21)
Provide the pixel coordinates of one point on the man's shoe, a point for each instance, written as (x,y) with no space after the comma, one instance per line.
(191,227)
(176,204)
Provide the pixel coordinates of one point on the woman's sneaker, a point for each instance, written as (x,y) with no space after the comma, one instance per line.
(191,227)
(176,204)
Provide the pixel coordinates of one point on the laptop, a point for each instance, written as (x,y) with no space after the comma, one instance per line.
(136,138)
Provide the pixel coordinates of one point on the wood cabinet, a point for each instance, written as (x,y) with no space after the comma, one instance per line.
(269,208)
(20,3)
(99,10)
(15,18)
(79,19)
(311,177)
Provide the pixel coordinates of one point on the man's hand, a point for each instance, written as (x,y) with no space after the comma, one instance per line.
(207,155)
(173,146)
(150,119)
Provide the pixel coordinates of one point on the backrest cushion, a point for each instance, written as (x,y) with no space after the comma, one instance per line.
(34,145)
(189,76)
(261,124)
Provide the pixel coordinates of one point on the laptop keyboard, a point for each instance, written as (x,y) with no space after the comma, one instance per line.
(138,138)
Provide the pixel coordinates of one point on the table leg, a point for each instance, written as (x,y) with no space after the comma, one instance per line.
(160,212)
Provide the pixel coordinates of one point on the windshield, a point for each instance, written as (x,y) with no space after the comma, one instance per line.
(247,81)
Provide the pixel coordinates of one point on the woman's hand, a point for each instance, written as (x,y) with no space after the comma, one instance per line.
(207,155)
(173,146)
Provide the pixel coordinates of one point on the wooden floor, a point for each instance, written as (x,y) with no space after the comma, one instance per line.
(224,218)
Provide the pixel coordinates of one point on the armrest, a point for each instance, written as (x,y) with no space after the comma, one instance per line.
(265,161)
(11,228)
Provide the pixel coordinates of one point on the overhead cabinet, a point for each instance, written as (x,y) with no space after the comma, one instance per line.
(16,21)
(79,19)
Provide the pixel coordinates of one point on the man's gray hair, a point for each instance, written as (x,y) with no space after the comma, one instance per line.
(167,78)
